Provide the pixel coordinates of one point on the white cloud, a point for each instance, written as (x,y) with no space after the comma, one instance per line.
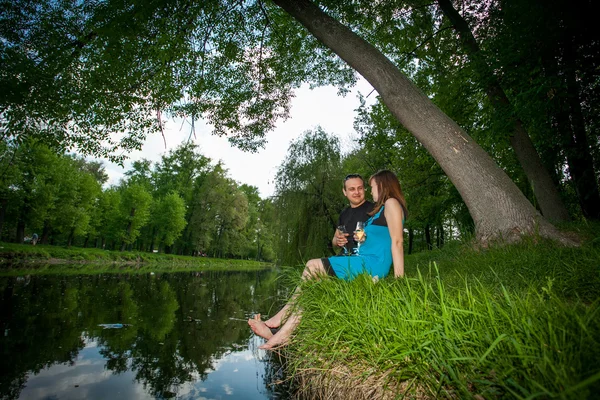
(310,108)
(227,389)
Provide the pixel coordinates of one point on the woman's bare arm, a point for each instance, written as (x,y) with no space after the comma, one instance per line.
(394,216)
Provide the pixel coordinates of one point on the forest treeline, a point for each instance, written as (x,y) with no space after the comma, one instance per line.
(186,204)
(182,204)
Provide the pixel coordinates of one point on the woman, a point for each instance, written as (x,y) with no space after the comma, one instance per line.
(381,249)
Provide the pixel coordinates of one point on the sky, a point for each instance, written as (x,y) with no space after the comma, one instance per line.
(309,109)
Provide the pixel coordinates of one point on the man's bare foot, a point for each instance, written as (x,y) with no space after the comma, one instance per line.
(275,320)
(277,340)
(273,323)
(260,328)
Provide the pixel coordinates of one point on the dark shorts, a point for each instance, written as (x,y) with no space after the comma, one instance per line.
(327,266)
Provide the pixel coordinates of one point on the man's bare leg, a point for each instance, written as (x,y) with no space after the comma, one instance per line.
(275,320)
(314,269)
(281,338)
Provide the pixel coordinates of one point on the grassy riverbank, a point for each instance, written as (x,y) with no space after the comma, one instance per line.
(19,259)
(520,321)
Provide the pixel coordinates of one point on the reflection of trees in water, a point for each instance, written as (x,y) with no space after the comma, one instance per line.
(180,323)
(275,380)
(37,325)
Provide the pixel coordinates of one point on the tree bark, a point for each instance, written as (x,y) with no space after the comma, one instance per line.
(45,233)
(3,204)
(497,206)
(21,221)
(428,243)
(153,237)
(20,236)
(71,237)
(544,188)
(581,164)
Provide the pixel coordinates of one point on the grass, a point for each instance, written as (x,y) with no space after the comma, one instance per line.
(519,321)
(18,259)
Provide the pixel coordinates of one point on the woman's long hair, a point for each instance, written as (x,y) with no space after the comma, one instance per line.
(387,186)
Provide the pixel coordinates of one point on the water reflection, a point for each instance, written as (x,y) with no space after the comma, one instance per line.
(184,336)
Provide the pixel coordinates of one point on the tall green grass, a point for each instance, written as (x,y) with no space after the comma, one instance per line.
(520,321)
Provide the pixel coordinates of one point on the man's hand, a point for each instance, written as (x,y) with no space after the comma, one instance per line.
(340,238)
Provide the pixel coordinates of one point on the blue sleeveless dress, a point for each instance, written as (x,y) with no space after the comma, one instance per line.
(375,252)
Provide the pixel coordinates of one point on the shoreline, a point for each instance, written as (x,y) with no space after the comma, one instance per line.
(15,259)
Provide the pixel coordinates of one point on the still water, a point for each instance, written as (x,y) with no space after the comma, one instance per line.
(140,336)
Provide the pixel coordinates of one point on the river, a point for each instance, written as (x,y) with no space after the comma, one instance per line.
(137,336)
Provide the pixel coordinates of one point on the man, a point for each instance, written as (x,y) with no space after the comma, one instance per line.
(354,191)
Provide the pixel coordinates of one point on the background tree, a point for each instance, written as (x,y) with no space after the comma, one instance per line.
(540,180)
(252,231)
(169,219)
(265,231)
(134,212)
(308,196)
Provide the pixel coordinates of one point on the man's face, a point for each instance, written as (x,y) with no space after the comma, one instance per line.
(354,190)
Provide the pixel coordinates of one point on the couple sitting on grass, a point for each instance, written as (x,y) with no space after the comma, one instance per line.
(378,253)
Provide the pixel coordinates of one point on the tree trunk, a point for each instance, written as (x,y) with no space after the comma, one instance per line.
(45,232)
(3,204)
(581,164)
(71,236)
(411,237)
(20,237)
(21,220)
(544,188)
(151,248)
(440,236)
(428,243)
(497,206)
(128,230)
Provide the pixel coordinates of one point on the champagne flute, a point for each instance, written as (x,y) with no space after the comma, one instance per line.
(342,229)
(360,235)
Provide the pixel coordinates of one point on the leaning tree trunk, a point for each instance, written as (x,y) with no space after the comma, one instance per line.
(497,206)
(544,188)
